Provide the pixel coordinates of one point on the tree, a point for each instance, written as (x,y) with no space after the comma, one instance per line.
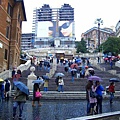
(81,46)
(112,44)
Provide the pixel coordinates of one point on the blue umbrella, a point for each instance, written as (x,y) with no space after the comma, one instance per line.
(59,74)
(38,81)
(114,80)
(45,77)
(22,87)
(78,61)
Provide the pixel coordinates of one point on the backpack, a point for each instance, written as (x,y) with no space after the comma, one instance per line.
(93,94)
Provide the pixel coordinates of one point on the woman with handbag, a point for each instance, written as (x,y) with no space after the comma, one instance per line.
(36,94)
(93,100)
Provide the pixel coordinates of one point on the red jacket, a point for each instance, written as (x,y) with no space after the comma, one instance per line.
(111,88)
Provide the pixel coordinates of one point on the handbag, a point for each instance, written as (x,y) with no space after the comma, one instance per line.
(38,94)
(93,94)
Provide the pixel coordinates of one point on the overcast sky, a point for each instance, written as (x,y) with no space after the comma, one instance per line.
(86,12)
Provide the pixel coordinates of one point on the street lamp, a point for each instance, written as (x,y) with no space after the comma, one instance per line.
(99,21)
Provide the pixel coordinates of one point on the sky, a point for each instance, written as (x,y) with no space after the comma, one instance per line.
(85,13)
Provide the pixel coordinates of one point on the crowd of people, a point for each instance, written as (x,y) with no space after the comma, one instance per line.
(78,68)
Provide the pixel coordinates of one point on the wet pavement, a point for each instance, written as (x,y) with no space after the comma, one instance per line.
(54,110)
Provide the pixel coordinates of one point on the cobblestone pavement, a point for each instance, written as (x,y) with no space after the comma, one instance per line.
(54,110)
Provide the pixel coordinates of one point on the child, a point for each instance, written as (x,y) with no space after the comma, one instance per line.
(46,85)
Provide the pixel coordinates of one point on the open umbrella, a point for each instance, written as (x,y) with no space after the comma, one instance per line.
(94,78)
(38,81)
(114,80)
(22,87)
(90,69)
(73,69)
(74,65)
(59,74)
(45,77)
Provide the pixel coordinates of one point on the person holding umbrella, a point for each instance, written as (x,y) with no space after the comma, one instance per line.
(111,91)
(46,82)
(35,98)
(57,84)
(99,90)
(20,98)
(73,73)
(61,84)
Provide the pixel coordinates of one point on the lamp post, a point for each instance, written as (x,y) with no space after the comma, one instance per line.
(99,21)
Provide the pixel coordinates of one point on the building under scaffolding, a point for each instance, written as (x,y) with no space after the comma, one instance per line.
(54,27)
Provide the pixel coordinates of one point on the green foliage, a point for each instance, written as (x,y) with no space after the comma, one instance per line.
(81,46)
(112,44)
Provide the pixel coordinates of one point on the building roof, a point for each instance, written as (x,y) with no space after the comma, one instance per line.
(23,8)
(101,29)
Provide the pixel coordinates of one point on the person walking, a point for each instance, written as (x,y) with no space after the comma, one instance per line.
(46,82)
(88,88)
(2,91)
(14,79)
(57,84)
(35,97)
(111,91)
(40,65)
(61,84)
(73,73)
(99,96)
(19,100)
(7,89)
(111,64)
(19,73)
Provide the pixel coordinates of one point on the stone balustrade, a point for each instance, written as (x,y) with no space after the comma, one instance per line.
(8,73)
(25,66)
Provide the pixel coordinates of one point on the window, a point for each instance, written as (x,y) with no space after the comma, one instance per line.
(6,54)
(9,10)
(7,32)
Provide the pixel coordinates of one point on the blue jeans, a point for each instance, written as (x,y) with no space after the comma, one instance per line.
(72,78)
(46,89)
(2,94)
(99,104)
(15,105)
(40,68)
(45,67)
(111,96)
(88,107)
(48,69)
(60,88)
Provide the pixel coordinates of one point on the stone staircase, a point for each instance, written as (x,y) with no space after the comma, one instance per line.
(72,90)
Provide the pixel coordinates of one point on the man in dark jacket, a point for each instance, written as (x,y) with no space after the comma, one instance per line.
(7,89)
